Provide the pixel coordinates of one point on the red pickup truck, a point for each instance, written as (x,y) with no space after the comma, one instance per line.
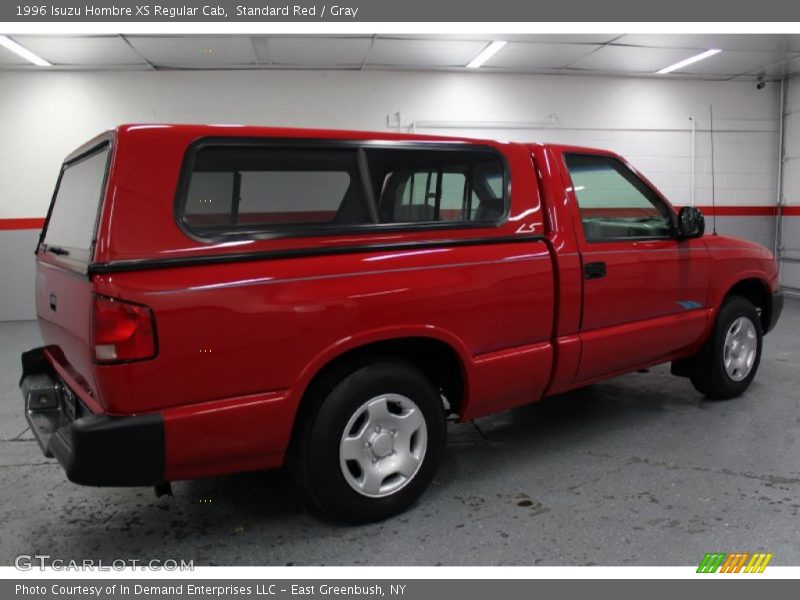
(216,299)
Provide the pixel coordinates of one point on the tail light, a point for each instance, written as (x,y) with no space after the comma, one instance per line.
(122,331)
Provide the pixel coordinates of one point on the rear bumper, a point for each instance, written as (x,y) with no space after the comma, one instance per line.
(92,449)
(776,308)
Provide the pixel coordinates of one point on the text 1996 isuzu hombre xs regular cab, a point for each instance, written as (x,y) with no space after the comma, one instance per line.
(216,299)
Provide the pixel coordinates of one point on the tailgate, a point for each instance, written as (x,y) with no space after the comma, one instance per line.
(63,284)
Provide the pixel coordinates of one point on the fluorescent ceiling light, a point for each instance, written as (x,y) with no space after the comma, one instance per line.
(688,61)
(10,44)
(486,54)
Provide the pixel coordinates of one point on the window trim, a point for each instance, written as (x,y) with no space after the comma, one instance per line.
(264,232)
(74,264)
(642,238)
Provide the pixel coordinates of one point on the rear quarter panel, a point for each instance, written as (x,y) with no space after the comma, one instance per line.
(244,328)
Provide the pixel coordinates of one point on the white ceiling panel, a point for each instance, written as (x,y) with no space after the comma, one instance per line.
(757,43)
(629,59)
(317,51)
(423,53)
(549,38)
(735,62)
(9,59)
(774,56)
(81,51)
(577,38)
(195,51)
(518,56)
(778,70)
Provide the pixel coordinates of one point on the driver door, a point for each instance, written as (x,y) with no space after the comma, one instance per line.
(644,290)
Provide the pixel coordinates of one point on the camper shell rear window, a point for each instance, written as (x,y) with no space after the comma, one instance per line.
(71,223)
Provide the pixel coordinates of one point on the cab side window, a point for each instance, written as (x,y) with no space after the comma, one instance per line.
(614,204)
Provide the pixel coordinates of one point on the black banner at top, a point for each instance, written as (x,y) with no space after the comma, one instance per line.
(496,11)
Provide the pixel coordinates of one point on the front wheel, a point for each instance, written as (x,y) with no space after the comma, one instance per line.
(729,361)
(374,444)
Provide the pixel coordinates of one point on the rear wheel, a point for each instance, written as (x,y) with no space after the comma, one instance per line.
(729,361)
(374,444)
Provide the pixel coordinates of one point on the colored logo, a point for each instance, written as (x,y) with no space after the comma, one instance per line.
(737,562)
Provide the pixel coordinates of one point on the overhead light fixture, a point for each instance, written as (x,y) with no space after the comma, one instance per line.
(10,44)
(689,61)
(486,54)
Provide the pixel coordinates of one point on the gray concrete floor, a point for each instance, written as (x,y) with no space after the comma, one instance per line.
(636,471)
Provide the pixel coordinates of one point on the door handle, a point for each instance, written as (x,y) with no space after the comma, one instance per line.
(53,305)
(594,270)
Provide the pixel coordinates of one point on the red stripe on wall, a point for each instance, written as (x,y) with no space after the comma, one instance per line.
(7,224)
(750,211)
(741,211)
(720,211)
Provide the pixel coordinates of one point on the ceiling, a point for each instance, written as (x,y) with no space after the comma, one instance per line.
(743,56)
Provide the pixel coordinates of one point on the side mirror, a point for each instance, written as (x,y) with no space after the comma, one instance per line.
(691,223)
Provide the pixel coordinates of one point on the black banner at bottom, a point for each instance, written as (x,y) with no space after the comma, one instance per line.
(407,589)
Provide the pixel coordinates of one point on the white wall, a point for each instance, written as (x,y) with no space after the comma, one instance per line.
(43,116)
(790,223)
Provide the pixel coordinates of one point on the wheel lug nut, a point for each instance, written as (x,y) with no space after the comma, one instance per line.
(366,444)
(377,428)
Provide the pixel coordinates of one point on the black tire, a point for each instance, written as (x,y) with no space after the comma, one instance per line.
(709,375)
(316,459)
